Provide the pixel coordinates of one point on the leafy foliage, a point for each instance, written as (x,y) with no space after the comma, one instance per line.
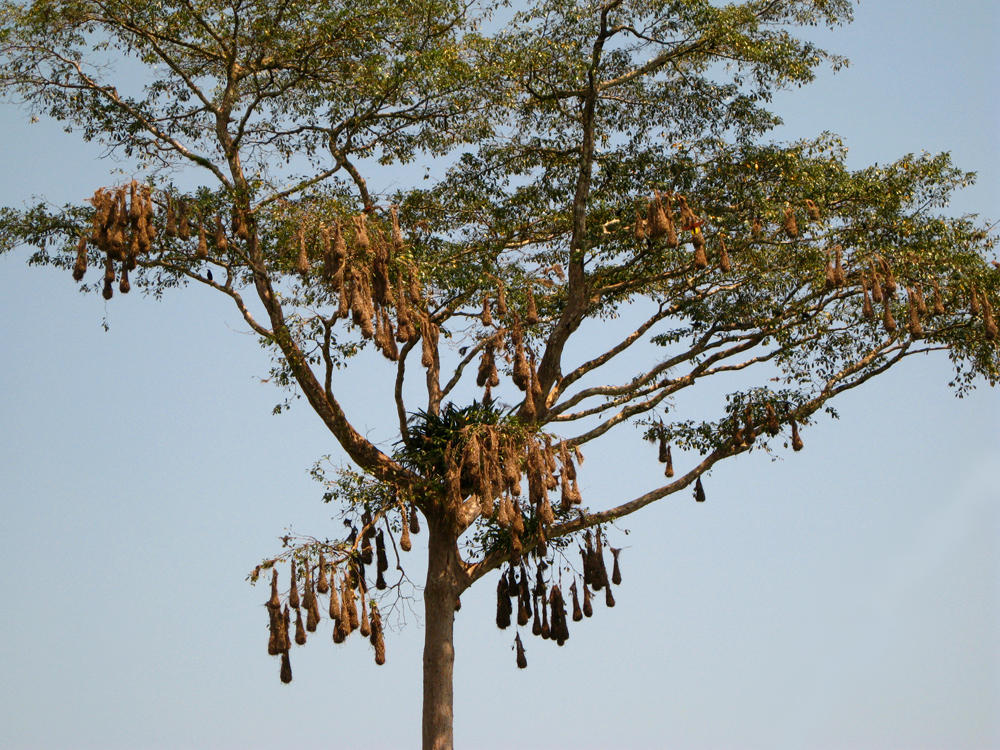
(585,161)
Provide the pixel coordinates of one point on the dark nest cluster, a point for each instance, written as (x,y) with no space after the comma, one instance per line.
(875,278)
(543,604)
(350,606)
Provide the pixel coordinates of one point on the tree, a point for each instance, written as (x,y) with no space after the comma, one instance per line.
(583,185)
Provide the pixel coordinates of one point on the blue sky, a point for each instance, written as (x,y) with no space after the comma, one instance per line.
(844,597)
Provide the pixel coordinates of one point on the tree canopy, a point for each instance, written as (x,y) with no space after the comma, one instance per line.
(598,160)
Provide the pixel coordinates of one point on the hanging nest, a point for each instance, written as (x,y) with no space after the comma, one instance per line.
(830,276)
(602,570)
(938,303)
(286,668)
(334,601)
(300,631)
(522,661)
(183,223)
(913,326)
(486,317)
(591,570)
(888,322)
(749,428)
(504,608)
(365,628)
(523,610)
(789,224)
(293,591)
(812,210)
(659,223)
(397,233)
(352,607)
(382,560)
(577,611)
(616,574)
(560,628)
(201,251)
(543,605)
(689,221)
(771,420)
(302,264)
(384,336)
(80,266)
(725,264)
(866,308)
(404,537)
(239,224)
(109,278)
(839,277)
(889,284)
(797,443)
(699,491)
(639,228)
(501,299)
(274,602)
(322,584)
(362,307)
(414,520)
(221,243)
(310,603)
(877,297)
(700,256)
(123,284)
(487,374)
(521,372)
(531,311)
(170,224)
(274,640)
(917,295)
(361,240)
(989,322)
(429,341)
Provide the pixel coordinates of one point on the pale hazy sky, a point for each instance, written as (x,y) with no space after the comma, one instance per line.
(844,597)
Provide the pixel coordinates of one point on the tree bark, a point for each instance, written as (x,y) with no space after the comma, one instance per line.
(444,585)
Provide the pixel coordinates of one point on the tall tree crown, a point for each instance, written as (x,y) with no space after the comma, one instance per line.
(596,160)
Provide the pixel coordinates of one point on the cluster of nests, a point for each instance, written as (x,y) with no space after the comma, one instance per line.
(878,282)
(380,292)
(350,606)
(744,433)
(123,229)
(487,463)
(381,295)
(879,285)
(374,286)
(545,607)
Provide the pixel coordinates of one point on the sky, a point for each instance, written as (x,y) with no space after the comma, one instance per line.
(847,596)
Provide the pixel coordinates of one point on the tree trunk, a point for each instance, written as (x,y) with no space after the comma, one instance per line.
(440,595)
